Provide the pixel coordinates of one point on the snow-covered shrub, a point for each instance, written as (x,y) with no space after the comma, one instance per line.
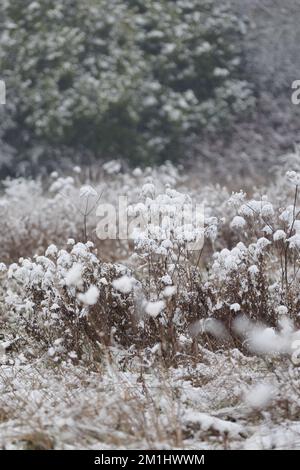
(163,295)
(65,299)
(37,213)
(258,276)
(154,73)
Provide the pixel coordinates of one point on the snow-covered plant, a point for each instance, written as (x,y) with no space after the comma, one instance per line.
(164,294)
(66,298)
(154,73)
(35,213)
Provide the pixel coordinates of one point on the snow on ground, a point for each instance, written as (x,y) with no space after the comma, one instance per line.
(194,406)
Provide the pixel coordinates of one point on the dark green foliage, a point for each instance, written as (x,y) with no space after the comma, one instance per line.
(131,79)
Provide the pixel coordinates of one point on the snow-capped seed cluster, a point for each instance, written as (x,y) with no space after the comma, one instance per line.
(170,222)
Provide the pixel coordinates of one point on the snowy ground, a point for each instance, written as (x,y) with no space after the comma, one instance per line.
(222,401)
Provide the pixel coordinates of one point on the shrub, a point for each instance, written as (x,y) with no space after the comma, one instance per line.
(163,298)
(129,79)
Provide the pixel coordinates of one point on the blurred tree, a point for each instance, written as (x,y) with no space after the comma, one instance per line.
(132,79)
(271,44)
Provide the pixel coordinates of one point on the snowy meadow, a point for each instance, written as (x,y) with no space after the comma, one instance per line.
(149,226)
(144,342)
